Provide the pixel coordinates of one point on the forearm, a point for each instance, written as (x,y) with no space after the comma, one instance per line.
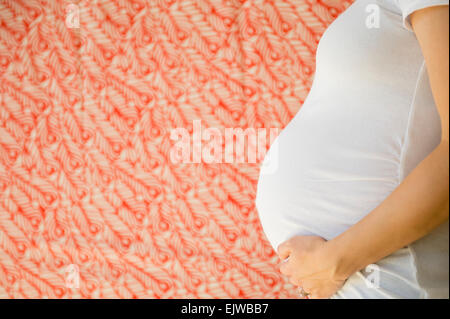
(417,206)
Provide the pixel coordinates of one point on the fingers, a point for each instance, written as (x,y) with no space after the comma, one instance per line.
(308,287)
(284,250)
(293,281)
(285,268)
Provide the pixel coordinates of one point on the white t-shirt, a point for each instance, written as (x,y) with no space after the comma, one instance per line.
(368,121)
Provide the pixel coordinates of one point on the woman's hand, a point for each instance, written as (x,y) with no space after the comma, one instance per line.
(310,266)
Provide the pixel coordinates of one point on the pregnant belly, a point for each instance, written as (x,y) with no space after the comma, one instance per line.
(325,208)
(327,178)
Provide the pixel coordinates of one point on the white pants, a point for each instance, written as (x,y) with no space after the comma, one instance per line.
(391,277)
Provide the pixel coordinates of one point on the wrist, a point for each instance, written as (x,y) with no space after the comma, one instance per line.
(344,263)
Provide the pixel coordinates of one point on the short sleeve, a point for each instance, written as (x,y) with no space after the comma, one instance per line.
(407,7)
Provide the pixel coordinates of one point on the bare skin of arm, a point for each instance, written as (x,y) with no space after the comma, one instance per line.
(416,207)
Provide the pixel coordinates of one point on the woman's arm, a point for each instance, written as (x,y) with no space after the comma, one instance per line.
(421,202)
(418,205)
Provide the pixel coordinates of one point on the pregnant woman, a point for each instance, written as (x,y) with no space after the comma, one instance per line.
(359,204)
